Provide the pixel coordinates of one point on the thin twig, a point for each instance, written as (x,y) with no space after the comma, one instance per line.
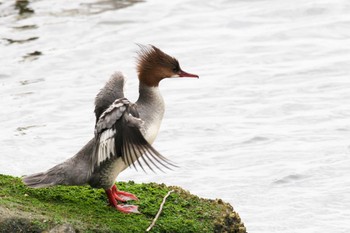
(159,211)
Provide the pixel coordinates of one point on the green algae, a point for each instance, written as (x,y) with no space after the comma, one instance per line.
(86,209)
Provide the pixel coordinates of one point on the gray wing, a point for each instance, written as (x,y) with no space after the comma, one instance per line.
(118,133)
(114,89)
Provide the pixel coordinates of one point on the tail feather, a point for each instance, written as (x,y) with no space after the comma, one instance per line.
(74,171)
(39,180)
(53,176)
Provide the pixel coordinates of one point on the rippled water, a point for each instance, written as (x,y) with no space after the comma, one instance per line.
(266,127)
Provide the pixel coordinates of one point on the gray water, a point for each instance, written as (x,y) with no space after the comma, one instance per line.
(266,127)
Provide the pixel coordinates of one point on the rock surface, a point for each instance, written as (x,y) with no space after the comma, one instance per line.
(72,209)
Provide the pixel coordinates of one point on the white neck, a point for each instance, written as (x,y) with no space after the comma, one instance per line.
(150,106)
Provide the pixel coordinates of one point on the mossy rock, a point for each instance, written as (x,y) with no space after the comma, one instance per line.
(24,209)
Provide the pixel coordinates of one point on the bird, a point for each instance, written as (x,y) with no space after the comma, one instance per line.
(123,134)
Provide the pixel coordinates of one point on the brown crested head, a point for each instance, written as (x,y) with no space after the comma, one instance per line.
(153,65)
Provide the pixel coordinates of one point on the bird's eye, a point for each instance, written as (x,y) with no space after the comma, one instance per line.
(176,69)
(175,66)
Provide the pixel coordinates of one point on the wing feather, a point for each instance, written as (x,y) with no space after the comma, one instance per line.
(144,149)
(118,133)
(129,155)
(113,89)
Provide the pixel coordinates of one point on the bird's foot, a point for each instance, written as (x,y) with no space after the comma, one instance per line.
(114,195)
(123,196)
(128,209)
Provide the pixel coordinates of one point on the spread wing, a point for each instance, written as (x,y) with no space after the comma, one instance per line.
(118,133)
(114,89)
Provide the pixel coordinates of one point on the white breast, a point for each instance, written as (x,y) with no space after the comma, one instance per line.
(152,131)
(151,111)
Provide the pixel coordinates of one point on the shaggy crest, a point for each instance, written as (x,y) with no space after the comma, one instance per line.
(151,59)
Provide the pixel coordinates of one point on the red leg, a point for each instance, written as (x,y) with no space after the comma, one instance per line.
(111,194)
(111,199)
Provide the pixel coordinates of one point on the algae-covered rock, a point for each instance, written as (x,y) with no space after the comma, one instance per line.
(16,224)
(83,209)
(64,228)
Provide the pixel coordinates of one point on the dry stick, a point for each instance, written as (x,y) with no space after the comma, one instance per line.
(159,211)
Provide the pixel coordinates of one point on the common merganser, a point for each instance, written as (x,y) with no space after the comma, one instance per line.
(124,132)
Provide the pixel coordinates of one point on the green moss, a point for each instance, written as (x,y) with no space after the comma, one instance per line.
(86,209)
